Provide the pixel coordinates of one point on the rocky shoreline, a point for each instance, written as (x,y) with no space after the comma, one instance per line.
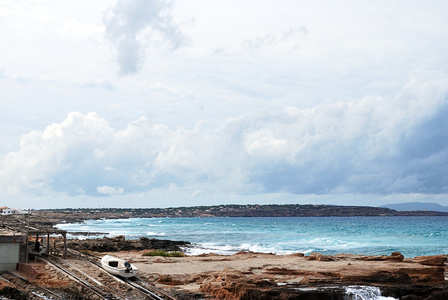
(245,275)
(119,243)
(249,275)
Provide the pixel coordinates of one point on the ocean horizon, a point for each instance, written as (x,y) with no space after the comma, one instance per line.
(411,236)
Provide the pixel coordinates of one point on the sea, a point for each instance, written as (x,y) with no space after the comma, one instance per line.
(411,236)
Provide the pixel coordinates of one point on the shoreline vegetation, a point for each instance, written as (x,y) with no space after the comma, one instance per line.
(245,275)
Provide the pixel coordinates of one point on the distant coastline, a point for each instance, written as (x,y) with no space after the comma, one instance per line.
(304,274)
(253,210)
(422,206)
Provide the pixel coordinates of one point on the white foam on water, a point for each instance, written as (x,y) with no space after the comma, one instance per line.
(286,235)
(113,233)
(308,251)
(359,292)
(354,292)
(207,248)
(156,233)
(82,237)
(332,243)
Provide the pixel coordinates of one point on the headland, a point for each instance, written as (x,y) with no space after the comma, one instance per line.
(245,275)
(252,210)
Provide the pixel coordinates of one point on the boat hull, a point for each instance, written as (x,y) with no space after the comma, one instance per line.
(119,267)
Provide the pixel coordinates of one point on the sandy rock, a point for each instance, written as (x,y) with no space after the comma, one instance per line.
(173,280)
(435,260)
(395,256)
(320,257)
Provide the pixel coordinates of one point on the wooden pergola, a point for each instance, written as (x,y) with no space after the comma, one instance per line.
(21,224)
(46,231)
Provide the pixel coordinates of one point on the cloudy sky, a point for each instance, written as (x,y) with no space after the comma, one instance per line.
(154,103)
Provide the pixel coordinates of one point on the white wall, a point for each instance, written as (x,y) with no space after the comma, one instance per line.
(9,256)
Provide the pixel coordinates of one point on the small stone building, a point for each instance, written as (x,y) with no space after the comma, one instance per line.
(10,250)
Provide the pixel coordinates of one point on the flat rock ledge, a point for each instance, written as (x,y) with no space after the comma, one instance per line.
(248,275)
(264,276)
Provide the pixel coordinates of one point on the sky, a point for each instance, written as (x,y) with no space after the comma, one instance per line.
(153,103)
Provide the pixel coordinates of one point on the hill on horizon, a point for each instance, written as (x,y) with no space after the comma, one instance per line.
(421,206)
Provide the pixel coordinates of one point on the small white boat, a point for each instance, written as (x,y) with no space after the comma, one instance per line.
(118,266)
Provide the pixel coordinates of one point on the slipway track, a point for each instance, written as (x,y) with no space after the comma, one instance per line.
(24,285)
(83,278)
(135,282)
(100,283)
(89,283)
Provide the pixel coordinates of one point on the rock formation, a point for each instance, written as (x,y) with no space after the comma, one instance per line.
(119,243)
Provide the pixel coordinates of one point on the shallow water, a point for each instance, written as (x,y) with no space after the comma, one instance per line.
(412,236)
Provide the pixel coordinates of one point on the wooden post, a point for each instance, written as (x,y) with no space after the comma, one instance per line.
(35,245)
(65,244)
(27,237)
(47,251)
(26,248)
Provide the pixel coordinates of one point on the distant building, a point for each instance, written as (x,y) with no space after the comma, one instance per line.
(4,210)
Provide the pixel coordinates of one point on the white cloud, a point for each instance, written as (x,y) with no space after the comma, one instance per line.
(294,36)
(133,24)
(61,158)
(76,29)
(376,146)
(110,190)
(266,98)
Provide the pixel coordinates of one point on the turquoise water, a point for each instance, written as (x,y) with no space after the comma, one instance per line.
(412,236)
